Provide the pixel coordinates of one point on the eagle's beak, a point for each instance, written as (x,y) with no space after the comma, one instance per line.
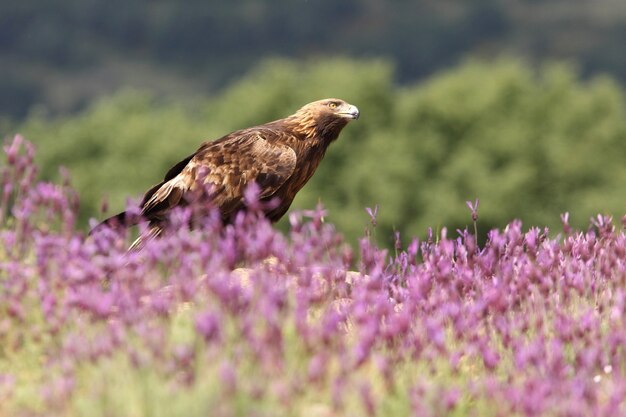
(351,112)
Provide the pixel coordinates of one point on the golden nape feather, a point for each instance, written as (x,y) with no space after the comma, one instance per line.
(279,156)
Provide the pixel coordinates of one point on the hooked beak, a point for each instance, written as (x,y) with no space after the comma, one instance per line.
(351,112)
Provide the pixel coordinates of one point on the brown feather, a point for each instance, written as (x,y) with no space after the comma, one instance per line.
(280,156)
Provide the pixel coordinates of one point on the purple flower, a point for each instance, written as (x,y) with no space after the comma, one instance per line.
(491,358)
(317,368)
(228,378)
(208,326)
(372,213)
(473,208)
(542,317)
(567,229)
(367,399)
(451,398)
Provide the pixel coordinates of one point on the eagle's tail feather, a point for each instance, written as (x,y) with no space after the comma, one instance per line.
(153,231)
(164,197)
(119,221)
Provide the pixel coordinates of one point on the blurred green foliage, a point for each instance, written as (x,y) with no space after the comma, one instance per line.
(61,54)
(529,144)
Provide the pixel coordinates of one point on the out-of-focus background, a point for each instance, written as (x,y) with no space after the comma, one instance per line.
(519,103)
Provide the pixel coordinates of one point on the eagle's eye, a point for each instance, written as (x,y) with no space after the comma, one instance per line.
(332,105)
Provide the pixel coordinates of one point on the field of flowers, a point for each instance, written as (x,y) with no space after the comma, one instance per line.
(246,321)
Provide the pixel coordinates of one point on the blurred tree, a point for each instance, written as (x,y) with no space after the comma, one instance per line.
(529,144)
(206,43)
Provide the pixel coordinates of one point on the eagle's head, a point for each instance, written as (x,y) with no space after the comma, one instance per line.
(332,108)
(324,119)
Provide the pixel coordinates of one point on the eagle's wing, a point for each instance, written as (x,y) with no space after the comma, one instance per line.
(173,171)
(229,165)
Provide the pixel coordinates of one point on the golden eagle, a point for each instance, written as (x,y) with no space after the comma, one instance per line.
(279,156)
